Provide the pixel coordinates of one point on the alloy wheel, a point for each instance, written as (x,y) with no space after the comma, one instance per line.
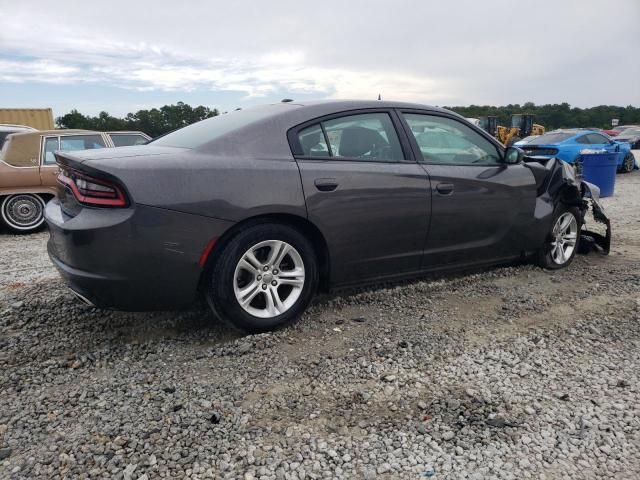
(269,278)
(629,162)
(565,236)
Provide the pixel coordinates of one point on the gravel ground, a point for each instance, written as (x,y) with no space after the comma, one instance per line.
(511,373)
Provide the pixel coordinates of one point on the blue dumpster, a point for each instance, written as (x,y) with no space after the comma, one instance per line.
(600,169)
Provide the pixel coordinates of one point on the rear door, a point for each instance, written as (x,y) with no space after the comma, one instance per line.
(365,192)
(481,209)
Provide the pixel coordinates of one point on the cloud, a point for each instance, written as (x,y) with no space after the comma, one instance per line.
(455,52)
(148,67)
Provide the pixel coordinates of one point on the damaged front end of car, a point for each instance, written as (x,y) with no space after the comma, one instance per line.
(557,182)
(589,239)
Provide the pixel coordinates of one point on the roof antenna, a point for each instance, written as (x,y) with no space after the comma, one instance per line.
(286,100)
(379,97)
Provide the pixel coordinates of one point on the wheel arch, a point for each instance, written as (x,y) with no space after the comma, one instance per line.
(303,225)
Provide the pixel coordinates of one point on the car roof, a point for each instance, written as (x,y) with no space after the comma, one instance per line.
(62,131)
(339,105)
(10,127)
(263,137)
(128,132)
(575,131)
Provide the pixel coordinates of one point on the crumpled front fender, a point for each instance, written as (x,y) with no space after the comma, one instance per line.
(591,198)
(556,184)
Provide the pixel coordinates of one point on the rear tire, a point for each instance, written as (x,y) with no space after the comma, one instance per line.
(22,212)
(562,240)
(628,163)
(263,278)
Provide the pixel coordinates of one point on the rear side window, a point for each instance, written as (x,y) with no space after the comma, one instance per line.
(126,140)
(583,140)
(81,142)
(596,139)
(365,137)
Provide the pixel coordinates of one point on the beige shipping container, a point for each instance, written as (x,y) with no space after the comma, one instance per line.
(40,118)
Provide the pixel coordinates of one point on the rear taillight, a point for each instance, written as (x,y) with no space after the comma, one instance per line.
(92,191)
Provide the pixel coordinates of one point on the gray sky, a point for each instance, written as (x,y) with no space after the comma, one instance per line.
(130,55)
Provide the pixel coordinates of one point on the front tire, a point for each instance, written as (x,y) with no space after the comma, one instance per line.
(263,278)
(561,244)
(22,212)
(628,163)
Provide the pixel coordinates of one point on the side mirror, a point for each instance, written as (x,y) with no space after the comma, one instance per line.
(513,156)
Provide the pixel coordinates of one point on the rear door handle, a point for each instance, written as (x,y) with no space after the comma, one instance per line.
(326,184)
(445,188)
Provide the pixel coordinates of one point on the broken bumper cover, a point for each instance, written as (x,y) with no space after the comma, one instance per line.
(590,239)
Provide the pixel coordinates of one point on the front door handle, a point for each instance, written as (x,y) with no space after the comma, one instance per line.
(326,184)
(445,188)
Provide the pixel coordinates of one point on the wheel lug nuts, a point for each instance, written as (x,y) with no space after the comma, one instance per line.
(275,272)
(259,277)
(266,267)
(264,286)
(274,283)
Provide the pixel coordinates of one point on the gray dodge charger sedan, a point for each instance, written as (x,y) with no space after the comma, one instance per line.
(257,209)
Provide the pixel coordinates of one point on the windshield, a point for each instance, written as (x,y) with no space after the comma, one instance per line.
(207,130)
(549,138)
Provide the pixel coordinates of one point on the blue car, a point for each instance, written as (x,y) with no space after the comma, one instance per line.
(567,145)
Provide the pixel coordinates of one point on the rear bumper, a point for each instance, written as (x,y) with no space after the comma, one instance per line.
(135,259)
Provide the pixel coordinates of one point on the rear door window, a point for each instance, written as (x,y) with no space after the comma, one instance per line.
(596,139)
(368,137)
(127,139)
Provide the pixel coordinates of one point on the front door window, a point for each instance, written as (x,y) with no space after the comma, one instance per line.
(51,144)
(446,141)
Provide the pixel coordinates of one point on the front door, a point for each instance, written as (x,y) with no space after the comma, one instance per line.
(481,208)
(366,194)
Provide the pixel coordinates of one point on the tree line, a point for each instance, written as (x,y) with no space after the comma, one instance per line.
(557,115)
(154,122)
(158,121)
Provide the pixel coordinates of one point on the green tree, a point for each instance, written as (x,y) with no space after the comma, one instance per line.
(557,115)
(154,122)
